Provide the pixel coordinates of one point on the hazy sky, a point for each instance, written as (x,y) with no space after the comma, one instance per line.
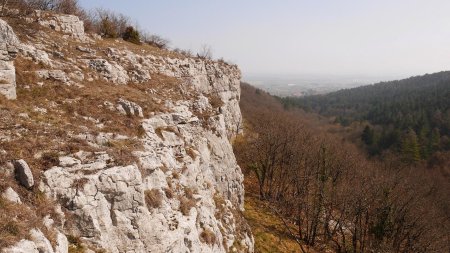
(334,37)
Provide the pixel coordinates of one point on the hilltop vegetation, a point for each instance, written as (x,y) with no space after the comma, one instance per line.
(411,116)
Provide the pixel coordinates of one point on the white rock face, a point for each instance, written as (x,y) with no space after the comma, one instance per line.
(180,155)
(8,50)
(187,182)
(68,24)
(24,246)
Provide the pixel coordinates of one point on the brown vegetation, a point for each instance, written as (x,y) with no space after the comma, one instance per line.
(153,198)
(331,192)
(207,236)
(186,204)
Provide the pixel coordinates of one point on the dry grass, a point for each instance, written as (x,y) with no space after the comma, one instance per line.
(169,193)
(13,222)
(215,100)
(189,192)
(268,230)
(191,152)
(75,244)
(153,198)
(186,205)
(16,220)
(138,49)
(207,236)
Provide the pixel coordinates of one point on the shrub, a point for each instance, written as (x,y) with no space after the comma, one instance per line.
(169,193)
(153,198)
(189,192)
(132,35)
(205,52)
(186,205)
(187,53)
(215,101)
(155,40)
(75,244)
(207,236)
(106,28)
(50,159)
(110,24)
(68,7)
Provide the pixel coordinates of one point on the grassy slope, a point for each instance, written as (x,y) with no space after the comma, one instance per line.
(268,230)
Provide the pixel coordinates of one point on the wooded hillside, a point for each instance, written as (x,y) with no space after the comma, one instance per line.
(330,196)
(411,116)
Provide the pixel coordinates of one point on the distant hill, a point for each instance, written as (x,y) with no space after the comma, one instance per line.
(410,114)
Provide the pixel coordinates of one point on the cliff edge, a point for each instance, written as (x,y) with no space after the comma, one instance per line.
(127,146)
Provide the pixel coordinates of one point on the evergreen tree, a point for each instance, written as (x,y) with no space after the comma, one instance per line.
(435,139)
(367,135)
(410,147)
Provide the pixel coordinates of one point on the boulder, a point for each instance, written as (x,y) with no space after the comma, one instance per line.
(111,71)
(23,173)
(41,242)
(11,195)
(129,108)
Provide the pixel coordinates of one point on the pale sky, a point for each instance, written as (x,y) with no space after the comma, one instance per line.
(314,37)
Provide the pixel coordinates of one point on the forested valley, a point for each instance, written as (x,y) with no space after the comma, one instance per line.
(328,193)
(410,117)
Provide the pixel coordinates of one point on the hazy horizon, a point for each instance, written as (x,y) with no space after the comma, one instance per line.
(376,39)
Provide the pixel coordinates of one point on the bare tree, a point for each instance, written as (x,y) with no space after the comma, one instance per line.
(155,40)
(205,52)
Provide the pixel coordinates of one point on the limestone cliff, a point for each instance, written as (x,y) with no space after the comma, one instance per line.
(180,189)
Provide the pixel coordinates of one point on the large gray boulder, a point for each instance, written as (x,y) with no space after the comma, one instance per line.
(8,51)
(23,173)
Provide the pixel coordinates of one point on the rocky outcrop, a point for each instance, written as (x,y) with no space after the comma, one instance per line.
(8,50)
(183,192)
(67,24)
(180,155)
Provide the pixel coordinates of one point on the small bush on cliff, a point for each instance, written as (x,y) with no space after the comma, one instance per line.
(186,205)
(207,236)
(132,35)
(110,24)
(155,40)
(153,198)
(205,52)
